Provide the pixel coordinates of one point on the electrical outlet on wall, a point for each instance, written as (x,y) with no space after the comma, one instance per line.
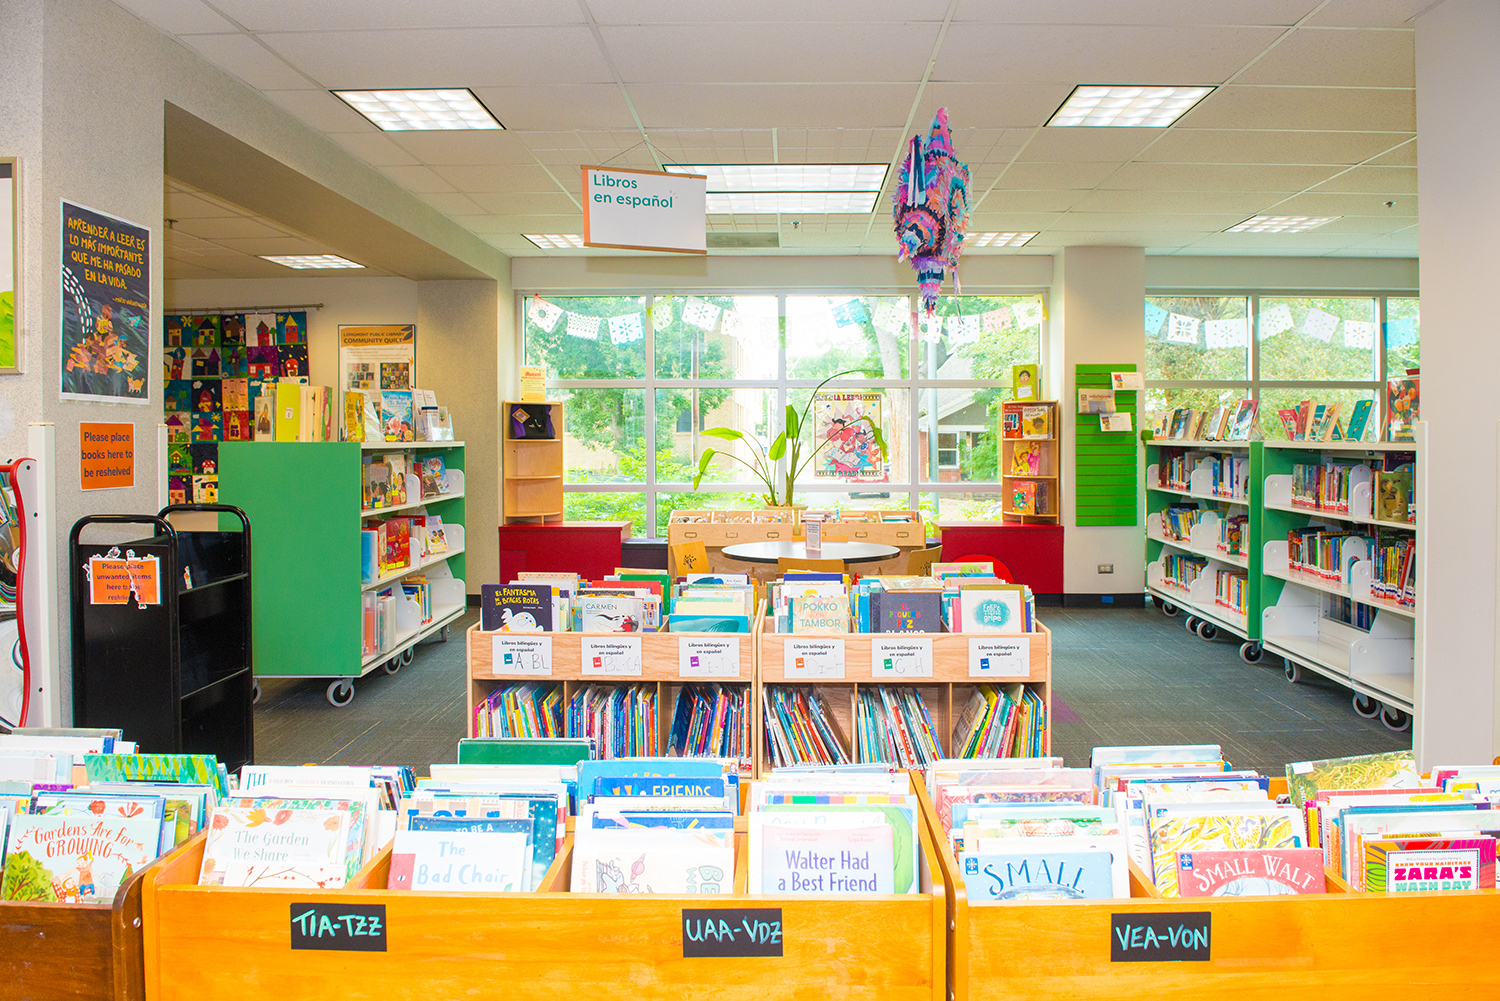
(1106,568)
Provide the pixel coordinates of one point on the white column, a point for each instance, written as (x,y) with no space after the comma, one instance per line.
(1458,129)
(1095,320)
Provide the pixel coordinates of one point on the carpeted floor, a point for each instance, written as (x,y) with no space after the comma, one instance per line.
(1120,676)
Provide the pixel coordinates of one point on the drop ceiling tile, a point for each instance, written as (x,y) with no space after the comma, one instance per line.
(1154,239)
(256,247)
(1012,222)
(581,106)
(1037,176)
(720,11)
(444,57)
(1216,177)
(217,229)
(328,15)
(1323,57)
(178,17)
(1370,13)
(1056,200)
(1110,222)
(1244,203)
(1272,12)
(571,222)
(186,205)
(1339,109)
(1388,181)
(321,110)
(1015,106)
(1402,244)
(484,225)
(450,202)
(374,148)
(525,203)
(815,107)
(1084,145)
(1098,53)
(1233,146)
(242,56)
(764,51)
(1402,156)
(1253,244)
(1325,203)
(417,179)
(182,271)
(1363,226)
(509,178)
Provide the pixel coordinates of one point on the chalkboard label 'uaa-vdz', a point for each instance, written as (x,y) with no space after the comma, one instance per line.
(731,931)
(1160,938)
(339,927)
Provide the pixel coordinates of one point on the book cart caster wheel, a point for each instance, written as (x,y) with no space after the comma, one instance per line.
(1250,652)
(341,693)
(407,656)
(1366,707)
(391,666)
(255,693)
(1191,624)
(1168,609)
(1207,630)
(443,633)
(1395,719)
(1293,672)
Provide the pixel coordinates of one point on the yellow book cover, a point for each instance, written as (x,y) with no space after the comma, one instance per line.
(288,411)
(1036,422)
(354,416)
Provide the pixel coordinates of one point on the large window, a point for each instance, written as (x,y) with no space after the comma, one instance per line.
(1200,351)
(643,376)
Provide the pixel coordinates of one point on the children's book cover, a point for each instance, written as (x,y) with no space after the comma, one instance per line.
(1428,865)
(1244,420)
(272,807)
(817,860)
(602,613)
(992,609)
(397,552)
(1010,420)
(354,416)
(911,611)
(432,472)
(72,856)
(1026,458)
(473,862)
(1389,770)
(1171,835)
(1032,872)
(515,608)
(1359,419)
(1026,380)
(642,860)
(1036,422)
(531,421)
(1255,872)
(1391,491)
(255,847)
(815,613)
(265,418)
(437,536)
(395,415)
(374,428)
(1402,408)
(1023,497)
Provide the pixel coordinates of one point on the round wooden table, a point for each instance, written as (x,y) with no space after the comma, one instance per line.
(849,552)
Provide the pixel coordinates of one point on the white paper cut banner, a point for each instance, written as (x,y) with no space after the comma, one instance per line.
(1218,334)
(1182,329)
(1359,334)
(586,327)
(701,314)
(1154,317)
(1274,320)
(545,314)
(1320,325)
(625,329)
(1027,313)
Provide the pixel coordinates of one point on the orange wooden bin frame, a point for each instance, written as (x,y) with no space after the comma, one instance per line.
(231,943)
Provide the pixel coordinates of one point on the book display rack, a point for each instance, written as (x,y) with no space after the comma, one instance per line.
(531,469)
(903,529)
(1030,488)
(1203,501)
(304,499)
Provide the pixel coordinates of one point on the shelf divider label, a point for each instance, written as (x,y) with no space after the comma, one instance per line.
(731,931)
(817,657)
(338,927)
(1000,657)
(518,653)
(708,657)
(609,656)
(895,656)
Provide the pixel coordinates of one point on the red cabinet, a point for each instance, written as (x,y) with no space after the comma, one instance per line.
(1033,553)
(590,548)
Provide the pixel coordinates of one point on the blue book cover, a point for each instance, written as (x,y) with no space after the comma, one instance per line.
(589,772)
(636,785)
(722,821)
(471,825)
(685,623)
(1037,874)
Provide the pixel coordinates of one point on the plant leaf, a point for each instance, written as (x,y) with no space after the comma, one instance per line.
(708,455)
(728,434)
(778,447)
(879,438)
(793,424)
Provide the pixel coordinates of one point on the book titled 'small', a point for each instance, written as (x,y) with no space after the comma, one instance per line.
(1251,872)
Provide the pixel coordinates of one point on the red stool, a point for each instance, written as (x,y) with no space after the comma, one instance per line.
(1001,570)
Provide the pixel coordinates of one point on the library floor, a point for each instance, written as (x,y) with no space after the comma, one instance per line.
(1126,676)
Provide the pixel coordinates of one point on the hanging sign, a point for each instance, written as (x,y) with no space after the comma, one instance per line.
(645,210)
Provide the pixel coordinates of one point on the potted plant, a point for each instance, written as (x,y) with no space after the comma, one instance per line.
(788,444)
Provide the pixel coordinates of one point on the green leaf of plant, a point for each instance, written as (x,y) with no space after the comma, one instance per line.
(708,455)
(728,434)
(778,447)
(879,438)
(793,424)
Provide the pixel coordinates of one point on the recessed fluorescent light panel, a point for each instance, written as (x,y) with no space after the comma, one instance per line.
(1282,223)
(802,188)
(998,239)
(1126,107)
(555,241)
(306,261)
(421,110)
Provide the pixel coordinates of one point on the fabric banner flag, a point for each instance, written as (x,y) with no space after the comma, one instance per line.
(1275,320)
(106,308)
(1320,325)
(996,320)
(625,329)
(661,314)
(586,327)
(1155,317)
(1028,312)
(889,316)
(1359,334)
(700,313)
(732,324)
(1182,329)
(545,314)
(1400,333)
(964,329)
(851,313)
(1219,334)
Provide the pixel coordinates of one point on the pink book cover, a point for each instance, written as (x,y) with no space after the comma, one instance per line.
(1251,872)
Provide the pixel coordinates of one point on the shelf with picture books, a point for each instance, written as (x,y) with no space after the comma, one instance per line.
(1340,586)
(1201,530)
(896,685)
(636,684)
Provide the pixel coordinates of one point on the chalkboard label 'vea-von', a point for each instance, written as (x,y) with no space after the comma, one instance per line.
(1160,938)
(731,931)
(338,927)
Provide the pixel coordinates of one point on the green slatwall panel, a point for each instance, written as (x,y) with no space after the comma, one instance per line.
(1105,468)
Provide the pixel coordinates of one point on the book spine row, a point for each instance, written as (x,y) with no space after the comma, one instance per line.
(621,721)
(893,724)
(1231,476)
(1175,471)
(1232,590)
(1177,522)
(1181,569)
(521,709)
(1322,487)
(711,721)
(1350,612)
(799,729)
(1232,534)
(1394,577)
(1325,554)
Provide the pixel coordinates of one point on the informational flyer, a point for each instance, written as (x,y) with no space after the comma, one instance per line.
(106,308)
(852,452)
(377,357)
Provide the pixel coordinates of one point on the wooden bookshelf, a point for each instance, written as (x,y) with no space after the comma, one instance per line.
(1047,477)
(232,944)
(531,469)
(945,690)
(717,529)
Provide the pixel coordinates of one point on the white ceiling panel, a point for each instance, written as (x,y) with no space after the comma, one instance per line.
(1257,12)
(1274,244)
(508,178)
(1062,239)
(1388,181)
(278,245)
(1370,13)
(577,106)
(1403,156)
(1331,57)
(750,106)
(1098,53)
(374,147)
(1216,177)
(1339,109)
(735,11)
(771,52)
(451,202)
(226,227)
(1323,203)
(444,57)
(1402,244)
(416,178)
(525,203)
(1364,226)
(321,110)
(247,59)
(1036,176)
(1012,106)
(184,205)
(1053,200)
(1242,203)
(178,17)
(1124,222)
(1234,146)
(1086,145)
(332,15)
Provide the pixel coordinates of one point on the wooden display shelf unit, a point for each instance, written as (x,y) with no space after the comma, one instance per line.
(1045,478)
(532,468)
(945,690)
(666,662)
(717,529)
(234,944)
